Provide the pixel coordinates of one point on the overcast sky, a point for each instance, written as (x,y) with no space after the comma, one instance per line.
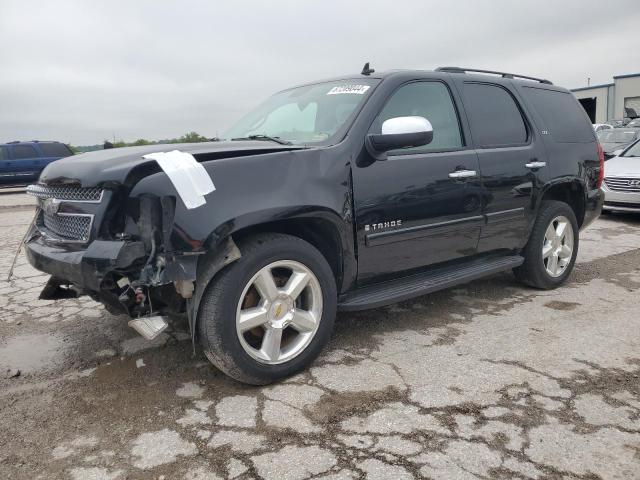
(81,71)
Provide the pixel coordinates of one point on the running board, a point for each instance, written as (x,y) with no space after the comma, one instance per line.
(426,282)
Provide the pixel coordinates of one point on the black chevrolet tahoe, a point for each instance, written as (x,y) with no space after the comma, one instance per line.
(345,194)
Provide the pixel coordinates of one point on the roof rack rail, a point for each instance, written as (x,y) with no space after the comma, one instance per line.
(502,74)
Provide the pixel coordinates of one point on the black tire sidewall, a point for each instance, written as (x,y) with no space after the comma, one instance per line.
(218,325)
(549,211)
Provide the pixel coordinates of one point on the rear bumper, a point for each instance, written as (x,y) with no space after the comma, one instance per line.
(83,268)
(593,207)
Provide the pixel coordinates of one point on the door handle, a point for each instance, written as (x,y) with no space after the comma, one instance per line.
(463,174)
(535,164)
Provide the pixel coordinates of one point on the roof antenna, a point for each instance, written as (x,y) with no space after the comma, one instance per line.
(366,70)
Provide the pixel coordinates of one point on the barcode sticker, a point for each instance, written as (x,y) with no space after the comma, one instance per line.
(353,89)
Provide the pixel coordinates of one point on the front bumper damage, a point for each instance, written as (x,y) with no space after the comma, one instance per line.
(134,272)
(117,248)
(121,274)
(128,228)
(171,284)
(83,268)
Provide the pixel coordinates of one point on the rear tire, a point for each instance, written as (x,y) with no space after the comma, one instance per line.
(551,251)
(256,322)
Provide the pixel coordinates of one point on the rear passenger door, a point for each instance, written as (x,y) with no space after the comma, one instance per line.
(511,162)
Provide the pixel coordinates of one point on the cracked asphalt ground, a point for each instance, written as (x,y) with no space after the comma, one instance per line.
(489,380)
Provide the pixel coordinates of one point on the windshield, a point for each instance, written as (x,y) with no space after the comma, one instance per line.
(616,136)
(633,151)
(312,114)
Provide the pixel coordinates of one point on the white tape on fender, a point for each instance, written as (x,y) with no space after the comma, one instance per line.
(189,178)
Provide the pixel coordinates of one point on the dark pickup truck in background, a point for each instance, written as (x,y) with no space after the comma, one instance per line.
(22,162)
(348,194)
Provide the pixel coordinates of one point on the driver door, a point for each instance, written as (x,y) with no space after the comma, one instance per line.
(422,205)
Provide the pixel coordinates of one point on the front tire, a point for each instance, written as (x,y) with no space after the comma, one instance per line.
(269,314)
(551,251)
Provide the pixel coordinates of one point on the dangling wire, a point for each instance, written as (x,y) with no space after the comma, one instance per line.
(22,242)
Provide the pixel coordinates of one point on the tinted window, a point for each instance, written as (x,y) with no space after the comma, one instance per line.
(3,155)
(432,101)
(494,116)
(24,151)
(54,150)
(563,117)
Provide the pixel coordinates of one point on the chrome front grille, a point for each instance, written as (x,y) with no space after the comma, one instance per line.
(65,227)
(66,193)
(623,184)
(61,223)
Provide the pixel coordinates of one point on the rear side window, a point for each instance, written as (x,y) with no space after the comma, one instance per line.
(494,117)
(432,101)
(3,155)
(54,150)
(563,117)
(24,151)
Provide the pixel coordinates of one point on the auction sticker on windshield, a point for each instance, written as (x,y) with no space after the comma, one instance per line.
(356,89)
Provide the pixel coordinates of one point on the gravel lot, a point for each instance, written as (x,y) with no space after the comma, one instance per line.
(491,380)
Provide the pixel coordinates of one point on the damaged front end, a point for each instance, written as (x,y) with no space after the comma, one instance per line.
(116,248)
(161,279)
(133,228)
(121,255)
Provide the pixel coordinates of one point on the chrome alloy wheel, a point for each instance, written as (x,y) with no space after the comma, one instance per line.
(279,312)
(558,246)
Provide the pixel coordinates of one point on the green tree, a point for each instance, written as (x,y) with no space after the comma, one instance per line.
(192,137)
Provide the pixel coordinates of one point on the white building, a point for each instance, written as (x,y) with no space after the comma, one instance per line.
(609,101)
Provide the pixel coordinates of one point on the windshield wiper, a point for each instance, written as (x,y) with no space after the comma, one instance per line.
(264,137)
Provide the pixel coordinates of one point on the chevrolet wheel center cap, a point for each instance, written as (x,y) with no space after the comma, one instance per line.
(278,310)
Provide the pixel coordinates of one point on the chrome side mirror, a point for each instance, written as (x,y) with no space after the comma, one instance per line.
(399,132)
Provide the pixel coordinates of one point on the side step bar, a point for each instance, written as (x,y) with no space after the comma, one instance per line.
(426,282)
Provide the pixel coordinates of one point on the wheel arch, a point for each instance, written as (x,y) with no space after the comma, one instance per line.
(321,227)
(319,231)
(331,233)
(571,191)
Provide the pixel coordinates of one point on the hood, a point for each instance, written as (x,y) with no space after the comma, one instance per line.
(112,167)
(622,167)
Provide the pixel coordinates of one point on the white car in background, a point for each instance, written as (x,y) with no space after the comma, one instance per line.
(601,126)
(621,184)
